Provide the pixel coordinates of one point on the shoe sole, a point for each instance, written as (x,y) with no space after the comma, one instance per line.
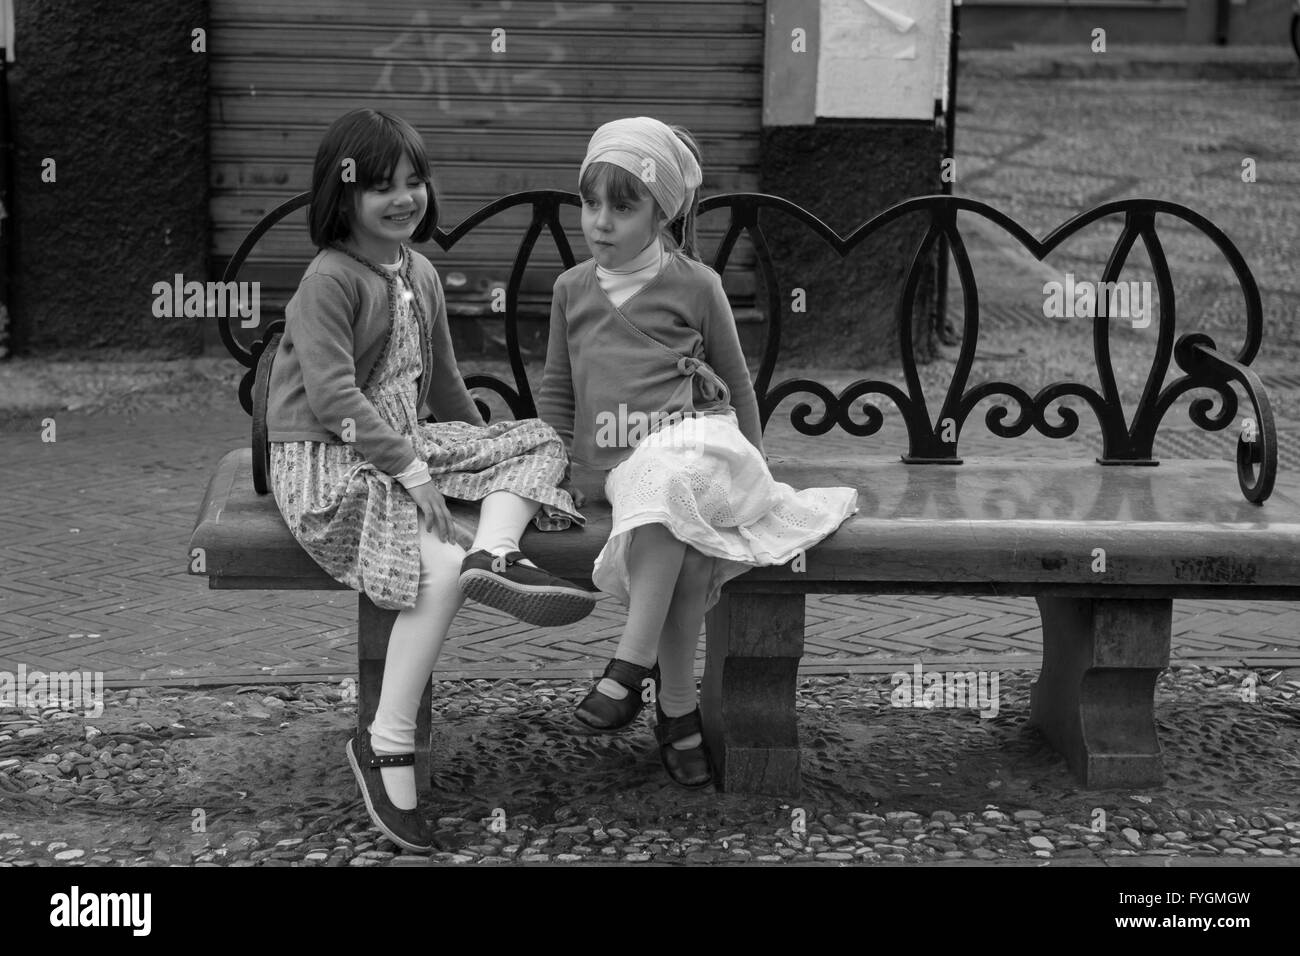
(540,606)
(370,808)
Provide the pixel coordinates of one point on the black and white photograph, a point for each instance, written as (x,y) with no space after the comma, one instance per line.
(858,436)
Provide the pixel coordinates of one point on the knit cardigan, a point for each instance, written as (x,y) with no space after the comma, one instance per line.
(602,360)
(336,327)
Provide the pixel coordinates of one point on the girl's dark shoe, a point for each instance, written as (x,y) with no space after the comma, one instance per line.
(687,768)
(529,594)
(406,828)
(606,715)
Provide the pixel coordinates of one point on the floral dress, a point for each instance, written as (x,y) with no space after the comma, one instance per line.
(357,522)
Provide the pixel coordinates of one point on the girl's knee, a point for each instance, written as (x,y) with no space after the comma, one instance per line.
(648,534)
(437,555)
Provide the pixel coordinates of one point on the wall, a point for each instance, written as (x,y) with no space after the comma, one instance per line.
(1258,22)
(845,173)
(849,130)
(1003,23)
(120,104)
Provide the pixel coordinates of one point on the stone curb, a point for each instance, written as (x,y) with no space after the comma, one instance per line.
(1133,62)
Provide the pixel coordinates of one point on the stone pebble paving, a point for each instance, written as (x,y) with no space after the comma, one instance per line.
(72,794)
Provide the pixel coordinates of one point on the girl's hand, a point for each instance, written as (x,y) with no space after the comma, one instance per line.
(579,499)
(433,509)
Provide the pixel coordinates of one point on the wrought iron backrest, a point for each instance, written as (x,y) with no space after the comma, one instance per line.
(932,439)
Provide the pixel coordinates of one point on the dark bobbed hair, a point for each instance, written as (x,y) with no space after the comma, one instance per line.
(620,186)
(376,142)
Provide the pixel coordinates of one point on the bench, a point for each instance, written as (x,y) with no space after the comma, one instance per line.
(929,521)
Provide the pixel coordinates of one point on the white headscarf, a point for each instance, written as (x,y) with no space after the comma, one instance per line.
(651,151)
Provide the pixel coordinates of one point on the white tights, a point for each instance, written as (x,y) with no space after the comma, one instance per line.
(419,632)
(668,591)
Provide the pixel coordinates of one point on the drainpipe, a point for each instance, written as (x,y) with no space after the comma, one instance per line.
(1221,15)
(6,178)
(6,207)
(947,334)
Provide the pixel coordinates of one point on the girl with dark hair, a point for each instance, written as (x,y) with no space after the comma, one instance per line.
(360,476)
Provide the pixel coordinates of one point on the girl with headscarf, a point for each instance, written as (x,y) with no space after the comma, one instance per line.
(645,379)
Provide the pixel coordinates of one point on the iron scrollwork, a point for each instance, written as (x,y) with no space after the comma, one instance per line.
(932,439)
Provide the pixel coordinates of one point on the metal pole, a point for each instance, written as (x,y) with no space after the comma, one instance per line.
(947,334)
(6,209)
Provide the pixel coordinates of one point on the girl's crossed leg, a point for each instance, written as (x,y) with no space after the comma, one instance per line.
(496,573)
(669,584)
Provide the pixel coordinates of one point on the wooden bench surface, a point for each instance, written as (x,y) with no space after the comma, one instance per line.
(1001,526)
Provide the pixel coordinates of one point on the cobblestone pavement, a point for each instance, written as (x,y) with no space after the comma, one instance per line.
(253,776)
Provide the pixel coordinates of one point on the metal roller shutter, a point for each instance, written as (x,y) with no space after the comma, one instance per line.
(494,123)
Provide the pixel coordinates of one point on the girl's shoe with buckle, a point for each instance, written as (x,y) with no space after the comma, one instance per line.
(690,768)
(605,715)
(406,828)
(528,593)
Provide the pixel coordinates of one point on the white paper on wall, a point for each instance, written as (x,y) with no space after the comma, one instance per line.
(883,59)
(7,28)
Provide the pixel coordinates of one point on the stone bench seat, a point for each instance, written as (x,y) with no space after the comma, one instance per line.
(992,526)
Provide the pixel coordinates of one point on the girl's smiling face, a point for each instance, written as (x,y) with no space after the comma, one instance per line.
(616,231)
(386,214)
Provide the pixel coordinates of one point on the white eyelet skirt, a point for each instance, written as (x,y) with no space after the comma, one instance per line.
(702,479)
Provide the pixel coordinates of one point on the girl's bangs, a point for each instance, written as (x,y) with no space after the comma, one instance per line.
(379,156)
(617,184)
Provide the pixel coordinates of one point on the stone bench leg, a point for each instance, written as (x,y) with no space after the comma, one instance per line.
(374,626)
(1095,697)
(752,663)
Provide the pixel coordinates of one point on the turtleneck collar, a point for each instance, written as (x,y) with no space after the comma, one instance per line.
(647,257)
(621,284)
